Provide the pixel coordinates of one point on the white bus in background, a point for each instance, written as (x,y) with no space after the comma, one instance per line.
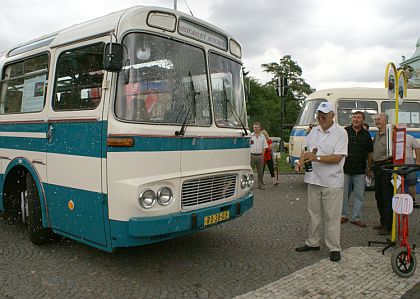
(128,142)
(345,101)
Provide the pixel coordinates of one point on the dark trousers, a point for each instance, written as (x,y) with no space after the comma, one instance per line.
(384,191)
(270,165)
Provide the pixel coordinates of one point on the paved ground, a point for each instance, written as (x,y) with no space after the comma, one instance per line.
(237,258)
(363,272)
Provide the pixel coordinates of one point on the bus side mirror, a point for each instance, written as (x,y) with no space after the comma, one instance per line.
(113,57)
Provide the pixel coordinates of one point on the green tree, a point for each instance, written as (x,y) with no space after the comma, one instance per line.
(264,103)
(263,106)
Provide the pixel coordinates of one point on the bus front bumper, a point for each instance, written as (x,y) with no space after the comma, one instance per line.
(189,221)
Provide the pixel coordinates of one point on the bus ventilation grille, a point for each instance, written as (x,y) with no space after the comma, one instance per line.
(208,189)
(160,237)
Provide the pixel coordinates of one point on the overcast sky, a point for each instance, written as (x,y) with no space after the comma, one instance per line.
(337,43)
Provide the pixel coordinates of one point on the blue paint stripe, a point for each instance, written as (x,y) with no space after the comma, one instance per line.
(70,138)
(89,139)
(156,144)
(24,127)
(77,138)
(298,132)
(414,134)
(23,143)
(191,144)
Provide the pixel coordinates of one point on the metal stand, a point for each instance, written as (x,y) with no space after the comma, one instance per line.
(388,244)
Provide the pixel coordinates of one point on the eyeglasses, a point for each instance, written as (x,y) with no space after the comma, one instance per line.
(322,116)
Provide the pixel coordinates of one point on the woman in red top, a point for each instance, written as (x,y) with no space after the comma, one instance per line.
(268,157)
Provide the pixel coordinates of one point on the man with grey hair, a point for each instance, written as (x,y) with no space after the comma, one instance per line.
(327,148)
(384,191)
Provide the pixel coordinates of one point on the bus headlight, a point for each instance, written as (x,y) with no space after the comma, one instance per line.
(244,181)
(147,198)
(164,196)
(250,180)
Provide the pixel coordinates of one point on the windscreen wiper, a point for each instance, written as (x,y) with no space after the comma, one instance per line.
(193,93)
(181,132)
(237,118)
(193,103)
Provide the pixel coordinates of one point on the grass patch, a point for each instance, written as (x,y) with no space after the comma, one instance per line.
(283,166)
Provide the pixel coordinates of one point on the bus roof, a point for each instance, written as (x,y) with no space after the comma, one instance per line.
(360,92)
(96,27)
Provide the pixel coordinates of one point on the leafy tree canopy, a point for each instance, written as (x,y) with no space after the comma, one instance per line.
(264,103)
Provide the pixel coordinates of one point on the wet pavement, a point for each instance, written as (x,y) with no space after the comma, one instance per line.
(252,256)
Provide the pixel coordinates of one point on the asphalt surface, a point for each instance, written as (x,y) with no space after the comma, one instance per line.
(233,259)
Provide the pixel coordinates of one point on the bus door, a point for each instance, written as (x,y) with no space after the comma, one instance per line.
(75,149)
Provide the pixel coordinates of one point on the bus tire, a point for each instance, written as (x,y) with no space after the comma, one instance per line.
(37,233)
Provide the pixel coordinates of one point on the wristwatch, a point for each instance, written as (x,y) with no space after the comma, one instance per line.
(318,158)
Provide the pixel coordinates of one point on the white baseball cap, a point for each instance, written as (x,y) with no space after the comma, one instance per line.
(325,107)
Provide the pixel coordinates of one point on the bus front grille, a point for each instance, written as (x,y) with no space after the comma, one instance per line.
(208,189)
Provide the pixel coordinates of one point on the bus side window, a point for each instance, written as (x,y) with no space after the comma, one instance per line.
(23,85)
(78,83)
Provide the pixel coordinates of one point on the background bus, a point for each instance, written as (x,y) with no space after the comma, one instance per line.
(126,144)
(348,100)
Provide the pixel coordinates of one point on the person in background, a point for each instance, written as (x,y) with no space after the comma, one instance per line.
(359,149)
(384,191)
(268,157)
(325,181)
(258,146)
(411,144)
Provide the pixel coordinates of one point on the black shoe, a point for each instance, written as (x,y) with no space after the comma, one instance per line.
(307,248)
(335,256)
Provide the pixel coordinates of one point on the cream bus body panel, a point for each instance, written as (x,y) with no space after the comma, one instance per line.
(90,190)
(163,167)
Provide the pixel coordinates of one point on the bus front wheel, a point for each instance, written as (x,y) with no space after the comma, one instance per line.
(37,233)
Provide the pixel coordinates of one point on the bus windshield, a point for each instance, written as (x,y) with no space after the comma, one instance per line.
(227,91)
(163,81)
(308,112)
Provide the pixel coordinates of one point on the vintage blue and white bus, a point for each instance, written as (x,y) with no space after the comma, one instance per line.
(124,130)
(348,100)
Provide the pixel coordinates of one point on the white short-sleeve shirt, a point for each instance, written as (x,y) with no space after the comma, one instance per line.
(258,144)
(332,141)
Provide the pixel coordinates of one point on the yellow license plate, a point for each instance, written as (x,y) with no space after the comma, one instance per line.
(212,219)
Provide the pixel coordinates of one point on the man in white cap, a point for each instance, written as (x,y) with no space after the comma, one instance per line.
(327,148)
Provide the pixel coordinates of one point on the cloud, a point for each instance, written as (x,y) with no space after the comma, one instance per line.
(334,42)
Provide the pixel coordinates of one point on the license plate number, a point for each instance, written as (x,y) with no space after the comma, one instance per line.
(212,219)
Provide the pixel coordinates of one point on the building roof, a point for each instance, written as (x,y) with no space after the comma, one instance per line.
(415,57)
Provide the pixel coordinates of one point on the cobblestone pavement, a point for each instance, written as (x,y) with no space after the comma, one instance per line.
(224,261)
(362,273)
